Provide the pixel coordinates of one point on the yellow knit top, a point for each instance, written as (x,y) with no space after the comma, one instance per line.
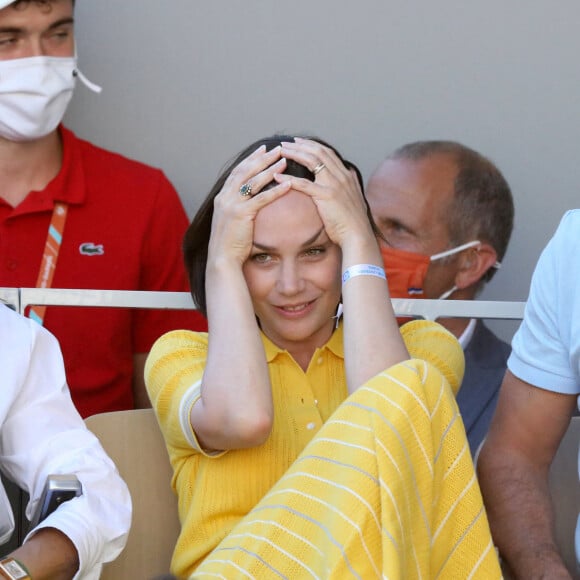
(216,491)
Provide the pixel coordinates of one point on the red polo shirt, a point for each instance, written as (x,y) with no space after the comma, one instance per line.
(124,231)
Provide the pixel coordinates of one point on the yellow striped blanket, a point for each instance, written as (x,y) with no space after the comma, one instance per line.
(387,489)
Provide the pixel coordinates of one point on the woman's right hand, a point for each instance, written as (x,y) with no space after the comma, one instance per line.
(234,213)
(226,417)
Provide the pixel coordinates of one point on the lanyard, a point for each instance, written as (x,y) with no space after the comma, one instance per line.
(50,256)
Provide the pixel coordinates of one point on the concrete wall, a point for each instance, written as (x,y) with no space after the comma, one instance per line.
(186,84)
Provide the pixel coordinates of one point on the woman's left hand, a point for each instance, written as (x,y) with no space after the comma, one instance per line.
(335,190)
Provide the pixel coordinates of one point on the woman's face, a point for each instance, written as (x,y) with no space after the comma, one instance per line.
(293,274)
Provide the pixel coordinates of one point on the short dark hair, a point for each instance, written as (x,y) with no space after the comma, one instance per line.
(196,239)
(482,207)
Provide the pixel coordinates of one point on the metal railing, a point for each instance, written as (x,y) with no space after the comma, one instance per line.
(21,298)
(10,297)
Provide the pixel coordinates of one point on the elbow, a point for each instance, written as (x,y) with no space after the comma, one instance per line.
(254,430)
(241,429)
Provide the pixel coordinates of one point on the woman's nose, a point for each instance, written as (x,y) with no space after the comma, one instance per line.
(290,280)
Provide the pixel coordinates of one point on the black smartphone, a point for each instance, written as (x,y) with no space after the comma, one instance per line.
(57,489)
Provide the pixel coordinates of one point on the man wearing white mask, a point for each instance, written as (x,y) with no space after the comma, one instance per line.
(446,215)
(73,215)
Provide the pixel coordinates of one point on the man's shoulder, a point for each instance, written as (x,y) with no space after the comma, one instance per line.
(97,158)
(571,219)
(14,324)
(19,334)
(565,242)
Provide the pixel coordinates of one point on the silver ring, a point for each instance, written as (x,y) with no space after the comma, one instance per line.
(318,168)
(246,190)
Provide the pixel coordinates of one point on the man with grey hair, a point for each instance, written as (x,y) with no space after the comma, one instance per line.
(445,213)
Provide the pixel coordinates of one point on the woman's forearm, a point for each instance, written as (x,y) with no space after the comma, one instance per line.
(372,340)
(48,554)
(235,409)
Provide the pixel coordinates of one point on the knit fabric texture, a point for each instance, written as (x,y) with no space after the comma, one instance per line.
(215,492)
(384,488)
(434,343)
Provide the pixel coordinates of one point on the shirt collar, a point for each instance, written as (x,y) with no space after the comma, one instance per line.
(467,334)
(69,185)
(334,345)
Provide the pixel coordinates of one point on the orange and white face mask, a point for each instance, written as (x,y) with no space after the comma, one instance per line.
(406,271)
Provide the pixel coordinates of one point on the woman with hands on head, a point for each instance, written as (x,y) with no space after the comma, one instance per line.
(274,260)
(284,392)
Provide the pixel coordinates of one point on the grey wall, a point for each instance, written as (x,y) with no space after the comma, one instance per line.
(188,83)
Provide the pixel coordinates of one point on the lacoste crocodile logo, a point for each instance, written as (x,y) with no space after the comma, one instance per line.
(90,249)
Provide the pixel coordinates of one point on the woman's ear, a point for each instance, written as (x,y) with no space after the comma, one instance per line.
(474,263)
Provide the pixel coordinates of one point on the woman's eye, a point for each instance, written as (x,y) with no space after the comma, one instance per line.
(314,252)
(261,258)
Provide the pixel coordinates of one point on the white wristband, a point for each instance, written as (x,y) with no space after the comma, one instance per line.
(363,270)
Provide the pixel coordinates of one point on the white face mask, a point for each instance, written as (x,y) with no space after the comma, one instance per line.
(34,95)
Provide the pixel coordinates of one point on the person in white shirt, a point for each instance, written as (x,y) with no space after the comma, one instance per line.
(41,433)
(538,397)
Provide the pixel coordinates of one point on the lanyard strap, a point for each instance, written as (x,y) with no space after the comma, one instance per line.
(50,256)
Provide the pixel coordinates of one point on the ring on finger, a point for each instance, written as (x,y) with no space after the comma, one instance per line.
(318,168)
(246,190)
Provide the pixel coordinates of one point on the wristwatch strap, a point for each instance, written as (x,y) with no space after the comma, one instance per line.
(13,570)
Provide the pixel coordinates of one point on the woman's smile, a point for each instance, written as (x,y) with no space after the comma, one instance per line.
(296,310)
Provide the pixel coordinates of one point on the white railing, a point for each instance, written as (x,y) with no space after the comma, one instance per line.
(21,298)
(105,298)
(11,297)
